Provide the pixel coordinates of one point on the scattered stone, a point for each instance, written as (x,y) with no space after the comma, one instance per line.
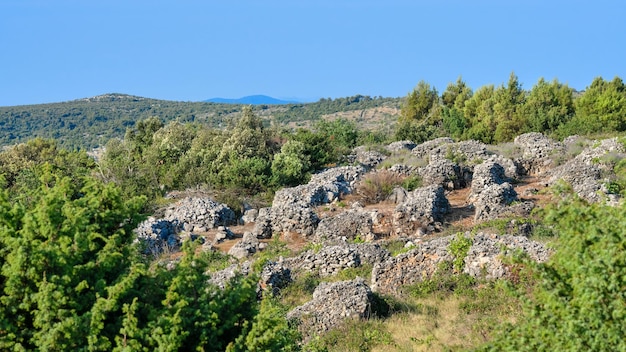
(491,194)
(223,277)
(348,225)
(223,233)
(368,158)
(159,235)
(407,268)
(422,212)
(468,152)
(401,145)
(198,214)
(484,259)
(332,305)
(424,150)
(275,276)
(249,216)
(538,153)
(246,247)
(404,170)
(331,259)
(293,208)
(398,195)
(442,172)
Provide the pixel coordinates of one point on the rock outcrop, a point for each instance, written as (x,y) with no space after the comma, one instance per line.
(330,260)
(293,208)
(491,193)
(421,212)
(484,259)
(442,172)
(349,225)
(332,304)
(199,214)
(158,235)
(401,145)
(589,172)
(424,150)
(246,247)
(538,152)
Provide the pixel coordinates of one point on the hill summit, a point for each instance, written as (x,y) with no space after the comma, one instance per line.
(251,100)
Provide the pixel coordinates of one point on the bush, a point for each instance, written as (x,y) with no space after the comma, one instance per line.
(376,187)
(579,303)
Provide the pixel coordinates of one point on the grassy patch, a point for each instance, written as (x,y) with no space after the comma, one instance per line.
(300,291)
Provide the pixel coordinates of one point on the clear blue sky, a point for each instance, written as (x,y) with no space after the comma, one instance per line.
(191,50)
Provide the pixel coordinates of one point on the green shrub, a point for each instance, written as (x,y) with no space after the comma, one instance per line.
(459,247)
(579,303)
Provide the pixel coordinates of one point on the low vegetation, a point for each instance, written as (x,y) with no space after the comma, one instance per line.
(72,276)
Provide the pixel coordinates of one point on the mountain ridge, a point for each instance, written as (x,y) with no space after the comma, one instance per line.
(258,99)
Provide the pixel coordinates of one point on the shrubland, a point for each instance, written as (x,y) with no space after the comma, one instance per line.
(73,277)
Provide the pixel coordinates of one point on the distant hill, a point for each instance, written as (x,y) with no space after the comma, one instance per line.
(251,100)
(91,122)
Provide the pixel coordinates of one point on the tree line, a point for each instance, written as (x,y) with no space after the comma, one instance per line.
(498,114)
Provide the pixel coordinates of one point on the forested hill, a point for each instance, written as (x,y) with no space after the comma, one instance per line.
(91,122)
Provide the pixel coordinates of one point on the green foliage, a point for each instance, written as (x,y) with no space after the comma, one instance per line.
(456,95)
(92,122)
(420,103)
(314,111)
(548,106)
(459,247)
(443,282)
(291,165)
(269,331)
(579,303)
(353,336)
(412,183)
(194,315)
(601,108)
(300,290)
(275,248)
(68,264)
(23,166)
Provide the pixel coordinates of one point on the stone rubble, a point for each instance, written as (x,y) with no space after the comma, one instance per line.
(484,259)
(490,193)
(422,212)
(401,145)
(293,208)
(246,247)
(348,225)
(332,305)
(424,150)
(199,214)
(589,172)
(330,260)
(538,152)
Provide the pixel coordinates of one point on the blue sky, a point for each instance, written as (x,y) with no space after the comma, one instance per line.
(192,50)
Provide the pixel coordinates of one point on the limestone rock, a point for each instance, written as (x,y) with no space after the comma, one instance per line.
(401,145)
(424,150)
(347,226)
(539,152)
(332,304)
(422,212)
(246,247)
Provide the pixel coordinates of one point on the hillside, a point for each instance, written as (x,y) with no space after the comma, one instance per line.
(91,122)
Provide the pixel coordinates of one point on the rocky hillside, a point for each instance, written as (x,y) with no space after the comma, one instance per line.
(436,201)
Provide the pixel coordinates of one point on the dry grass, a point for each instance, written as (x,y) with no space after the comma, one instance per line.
(375,187)
(450,322)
